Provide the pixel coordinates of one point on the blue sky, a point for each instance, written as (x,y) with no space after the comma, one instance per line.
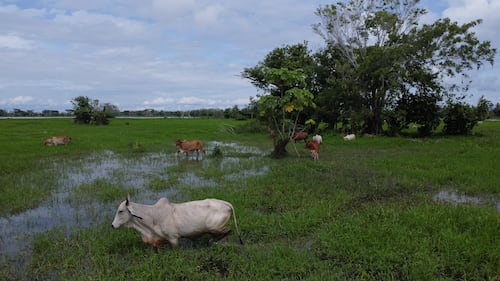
(170,54)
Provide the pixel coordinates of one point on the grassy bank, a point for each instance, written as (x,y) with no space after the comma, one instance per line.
(365,211)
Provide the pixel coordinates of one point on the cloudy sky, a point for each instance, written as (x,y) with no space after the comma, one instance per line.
(171,54)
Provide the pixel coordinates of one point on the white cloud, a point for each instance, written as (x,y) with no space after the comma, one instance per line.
(15,42)
(468,10)
(159,101)
(195,101)
(18,100)
(209,15)
(161,53)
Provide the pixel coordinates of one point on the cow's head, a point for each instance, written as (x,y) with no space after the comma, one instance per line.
(124,214)
(178,142)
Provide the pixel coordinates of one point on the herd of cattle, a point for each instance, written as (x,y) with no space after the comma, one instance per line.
(187,146)
(165,222)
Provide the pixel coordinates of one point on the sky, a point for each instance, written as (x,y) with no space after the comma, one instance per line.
(170,54)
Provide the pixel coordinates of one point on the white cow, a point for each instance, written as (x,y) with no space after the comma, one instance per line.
(350,137)
(318,139)
(166,222)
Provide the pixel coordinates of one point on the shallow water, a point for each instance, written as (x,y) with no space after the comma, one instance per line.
(16,231)
(455,197)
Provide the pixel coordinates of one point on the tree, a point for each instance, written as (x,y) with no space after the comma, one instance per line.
(496,110)
(286,98)
(88,111)
(285,76)
(389,55)
(483,108)
(82,109)
(421,109)
(459,119)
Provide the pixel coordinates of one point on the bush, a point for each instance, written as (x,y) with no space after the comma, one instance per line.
(89,111)
(459,119)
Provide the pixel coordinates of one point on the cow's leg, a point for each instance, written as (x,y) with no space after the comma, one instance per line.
(217,236)
(174,242)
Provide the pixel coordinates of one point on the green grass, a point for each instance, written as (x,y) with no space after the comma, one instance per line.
(24,182)
(364,211)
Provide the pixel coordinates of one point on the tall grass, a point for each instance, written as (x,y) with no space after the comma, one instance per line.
(364,211)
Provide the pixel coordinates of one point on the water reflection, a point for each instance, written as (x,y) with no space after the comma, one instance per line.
(454,197)
(60,211)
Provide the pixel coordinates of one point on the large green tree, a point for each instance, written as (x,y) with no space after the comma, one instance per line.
(389,54)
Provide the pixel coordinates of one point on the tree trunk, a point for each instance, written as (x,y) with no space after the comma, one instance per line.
(280,148)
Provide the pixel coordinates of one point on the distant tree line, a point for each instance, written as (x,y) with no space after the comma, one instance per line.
(31,113)
(90,111)
(487,109)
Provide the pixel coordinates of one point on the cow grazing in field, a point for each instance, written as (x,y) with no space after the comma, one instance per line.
(298,136)
(186,146)
(60,140)
(350,137)
(317,138)
(166,222)
(314,148)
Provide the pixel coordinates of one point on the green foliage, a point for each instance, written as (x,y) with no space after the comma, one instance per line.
(483,108)
(287,97)
(459,119)
(496,110)
(83,110)
(217,152)
(89,111)
(420,109)
(391,56)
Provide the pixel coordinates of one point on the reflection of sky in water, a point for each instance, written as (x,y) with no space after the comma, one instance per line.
(16,230)
(454,197)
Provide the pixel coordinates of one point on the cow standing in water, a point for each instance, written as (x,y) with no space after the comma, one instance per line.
(60,140)
(166,222)
(186,146)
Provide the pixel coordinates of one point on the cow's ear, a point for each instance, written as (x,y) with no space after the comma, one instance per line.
(133,213)
(128,199)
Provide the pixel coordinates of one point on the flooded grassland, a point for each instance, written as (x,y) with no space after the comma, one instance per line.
(87,188)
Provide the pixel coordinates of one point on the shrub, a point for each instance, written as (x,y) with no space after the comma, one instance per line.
(459,119)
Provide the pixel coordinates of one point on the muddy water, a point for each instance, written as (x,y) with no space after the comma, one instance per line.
(60,211)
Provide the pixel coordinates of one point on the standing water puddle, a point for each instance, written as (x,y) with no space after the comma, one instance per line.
(62,211)
(454,197)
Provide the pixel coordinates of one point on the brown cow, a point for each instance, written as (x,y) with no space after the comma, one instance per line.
(298,136)
(186,146)
(57,141)
(314,148)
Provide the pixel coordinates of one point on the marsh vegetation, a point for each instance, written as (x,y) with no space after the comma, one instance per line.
(373,209)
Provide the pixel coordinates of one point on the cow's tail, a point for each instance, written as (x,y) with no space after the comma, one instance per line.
(236,225)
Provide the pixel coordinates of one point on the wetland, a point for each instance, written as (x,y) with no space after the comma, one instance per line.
(374,209)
